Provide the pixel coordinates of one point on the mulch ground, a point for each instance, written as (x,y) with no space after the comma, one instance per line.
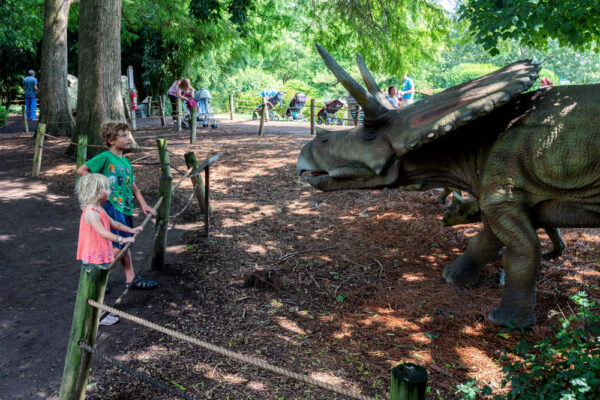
(339,286)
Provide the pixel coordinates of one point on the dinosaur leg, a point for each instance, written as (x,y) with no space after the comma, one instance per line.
(521,259)
(481,249)
(558,245)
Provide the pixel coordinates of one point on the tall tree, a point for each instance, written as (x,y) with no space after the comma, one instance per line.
(99,89)
(54,102)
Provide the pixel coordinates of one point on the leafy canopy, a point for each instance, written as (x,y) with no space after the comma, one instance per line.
(574,23)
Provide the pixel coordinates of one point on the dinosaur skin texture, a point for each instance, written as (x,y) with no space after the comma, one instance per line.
(531,162)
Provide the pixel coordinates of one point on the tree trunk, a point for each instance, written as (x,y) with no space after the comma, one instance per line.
(99,91)
(54,101)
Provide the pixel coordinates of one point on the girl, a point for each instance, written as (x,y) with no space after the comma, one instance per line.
(95,238)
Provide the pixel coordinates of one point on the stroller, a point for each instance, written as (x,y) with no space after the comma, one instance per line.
(294,111)
(275,97)
(205,112)
(326,115)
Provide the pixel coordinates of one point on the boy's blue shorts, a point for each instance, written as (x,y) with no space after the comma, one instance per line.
(118,216)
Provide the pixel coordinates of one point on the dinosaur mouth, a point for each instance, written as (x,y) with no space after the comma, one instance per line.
(315,173)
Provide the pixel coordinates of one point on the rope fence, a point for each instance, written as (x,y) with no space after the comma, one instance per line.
(232,354)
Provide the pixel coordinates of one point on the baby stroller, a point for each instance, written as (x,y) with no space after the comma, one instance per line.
(275,97)
(205,112)
(294,111)
(326,115)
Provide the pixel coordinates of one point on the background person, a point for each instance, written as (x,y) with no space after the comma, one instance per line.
(392,96)
(30,85)
(408,90)
(177,89)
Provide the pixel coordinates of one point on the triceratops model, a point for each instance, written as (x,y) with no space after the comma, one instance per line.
(531,159)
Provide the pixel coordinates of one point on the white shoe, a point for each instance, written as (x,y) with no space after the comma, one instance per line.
(109,320)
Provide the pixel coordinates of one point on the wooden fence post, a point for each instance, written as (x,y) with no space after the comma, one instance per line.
(312,116)
(161,105)
(25,124)
(356,115)
(231,106)
(82,142)
(179,114)
(193,125)
(409,382)
(38,150)
(92,282)
(191,162)
(162,216)
(149,106)
(262,117)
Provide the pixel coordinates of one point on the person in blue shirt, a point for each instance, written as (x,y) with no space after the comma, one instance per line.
(408,90)
(30,84)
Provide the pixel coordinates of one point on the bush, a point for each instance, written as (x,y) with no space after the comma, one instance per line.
(565,367)
(3,115)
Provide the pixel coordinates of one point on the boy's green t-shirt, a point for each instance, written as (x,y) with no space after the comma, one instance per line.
(120,176)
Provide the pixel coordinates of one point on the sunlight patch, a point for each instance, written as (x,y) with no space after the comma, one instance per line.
(290,325)
(256,386)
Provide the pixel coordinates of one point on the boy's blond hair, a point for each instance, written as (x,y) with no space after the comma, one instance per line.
(90,188)
(110,130)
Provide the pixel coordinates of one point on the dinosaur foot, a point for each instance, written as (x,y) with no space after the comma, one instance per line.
(464,271)
(511,316)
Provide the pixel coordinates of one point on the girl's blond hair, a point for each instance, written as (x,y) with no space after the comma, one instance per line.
(90,188)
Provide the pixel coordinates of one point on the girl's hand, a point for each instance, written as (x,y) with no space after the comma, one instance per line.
(147,209)
(128,240)
(137,229)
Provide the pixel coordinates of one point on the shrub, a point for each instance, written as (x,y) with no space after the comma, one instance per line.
(3,115)
(565,367)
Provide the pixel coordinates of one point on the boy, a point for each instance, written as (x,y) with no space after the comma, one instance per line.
(119,206)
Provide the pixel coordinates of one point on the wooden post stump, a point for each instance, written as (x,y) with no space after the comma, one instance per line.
(25,124)
(231,106)
(409,382)
(356,115)
(190,162)
(126,108)
(312,116)
(262,117)
(162,216)
(38,150)
(193,125)
(92,283)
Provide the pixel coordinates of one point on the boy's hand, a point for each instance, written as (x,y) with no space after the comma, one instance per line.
(147,209)
(137,229)
(129,239)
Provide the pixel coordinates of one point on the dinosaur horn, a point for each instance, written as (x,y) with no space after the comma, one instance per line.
(366,75)
(372,107)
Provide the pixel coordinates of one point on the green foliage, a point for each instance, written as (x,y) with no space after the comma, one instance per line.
(563,367)
(574,23)
(3,115)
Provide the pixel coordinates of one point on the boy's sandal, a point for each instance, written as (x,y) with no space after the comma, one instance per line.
(141,283)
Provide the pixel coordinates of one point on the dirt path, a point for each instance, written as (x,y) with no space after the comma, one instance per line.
(39,274)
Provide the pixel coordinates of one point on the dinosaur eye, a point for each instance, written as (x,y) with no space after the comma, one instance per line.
(324,141)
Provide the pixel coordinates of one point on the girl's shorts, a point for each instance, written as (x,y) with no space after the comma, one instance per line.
(118,216)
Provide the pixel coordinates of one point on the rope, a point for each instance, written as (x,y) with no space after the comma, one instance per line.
(231,354)
(132,372)
(97,146)
(187,174)
(128,245)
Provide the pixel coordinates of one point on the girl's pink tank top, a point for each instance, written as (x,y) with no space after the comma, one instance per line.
(93,248)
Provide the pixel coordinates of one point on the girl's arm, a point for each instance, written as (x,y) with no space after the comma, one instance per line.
(138,196)
(122,227)
(92,218)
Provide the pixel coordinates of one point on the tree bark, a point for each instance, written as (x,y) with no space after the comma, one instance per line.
(54,101)
(99,91)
